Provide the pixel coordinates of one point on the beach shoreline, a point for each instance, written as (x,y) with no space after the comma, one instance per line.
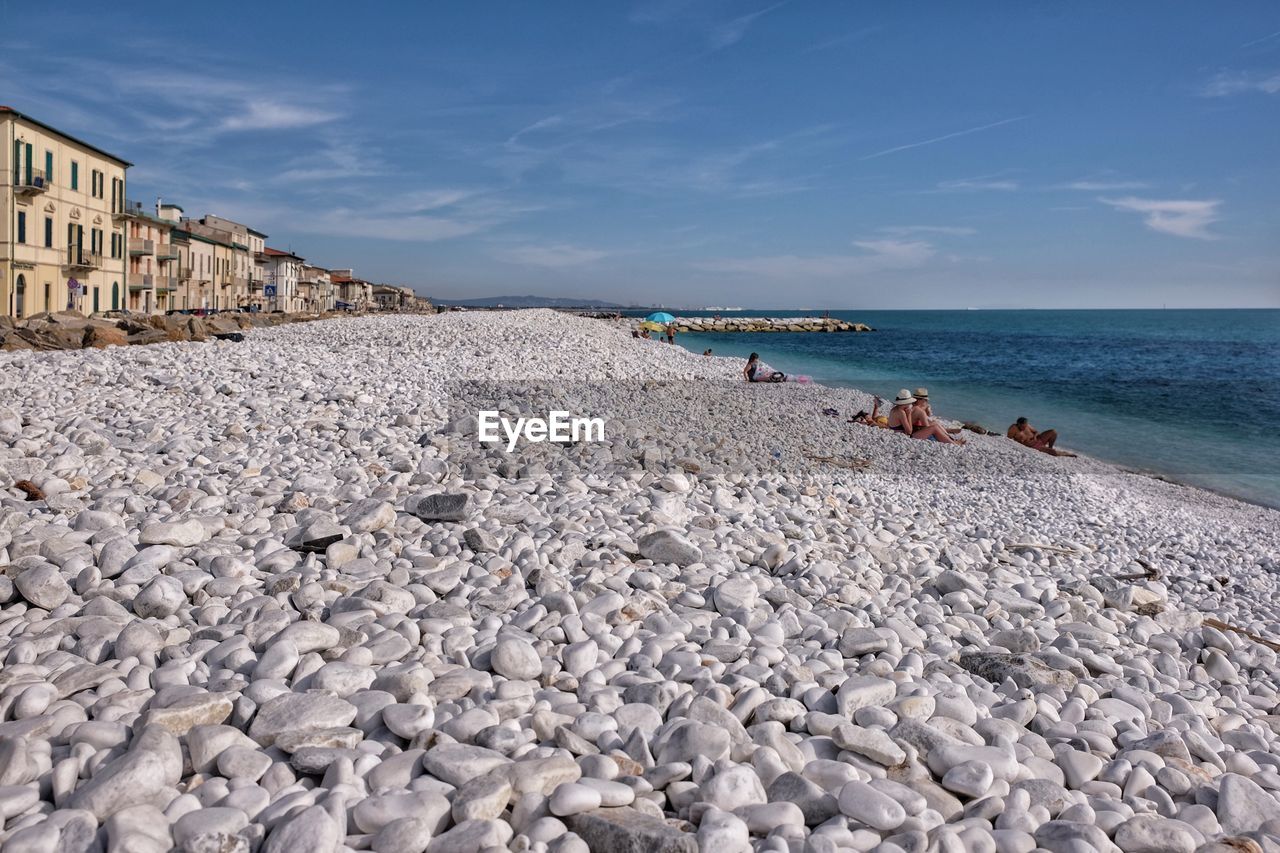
(728,623)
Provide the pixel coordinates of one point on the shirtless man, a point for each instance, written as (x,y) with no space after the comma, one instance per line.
(1025,434)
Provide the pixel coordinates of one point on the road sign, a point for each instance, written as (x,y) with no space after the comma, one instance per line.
(269,290)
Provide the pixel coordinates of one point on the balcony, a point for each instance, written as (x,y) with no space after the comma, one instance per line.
(141,247)
(141,281)
(30,181)
(184,273)
(79,258)
(166,252)
(166,282)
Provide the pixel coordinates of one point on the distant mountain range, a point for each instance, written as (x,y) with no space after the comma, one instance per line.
(527,302)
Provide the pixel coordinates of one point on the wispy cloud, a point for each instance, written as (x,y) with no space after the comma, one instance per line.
(944,230)
(979,183)
(732,32)
(1181,218)
(846,38)
(1100,186)
(1258,41)
(1227,83)
(943,138)
(876,256)
(556,256)
(262,114)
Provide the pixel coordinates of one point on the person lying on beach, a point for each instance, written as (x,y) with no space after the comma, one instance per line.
(707,352)
(754,372)
(644,333)
(922,412)
(902,419)
(872,418)
(1025,434)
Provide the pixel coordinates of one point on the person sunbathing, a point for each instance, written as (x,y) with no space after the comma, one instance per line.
(872,418)
(1022,432)
(755,372)
(902,418)
(922,412)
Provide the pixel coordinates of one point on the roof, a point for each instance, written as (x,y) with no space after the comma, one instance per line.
(279,253)
(255,233)
(182,232)
(339,278)
(11,111)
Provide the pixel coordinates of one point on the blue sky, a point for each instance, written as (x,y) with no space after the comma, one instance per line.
(692,152)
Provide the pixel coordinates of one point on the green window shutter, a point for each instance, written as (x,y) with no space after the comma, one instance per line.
(22,227)
(17,160)
(48,166)
(28,174)
(75,175)
(48,232)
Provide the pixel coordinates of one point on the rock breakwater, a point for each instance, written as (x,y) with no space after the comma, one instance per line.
(768,324)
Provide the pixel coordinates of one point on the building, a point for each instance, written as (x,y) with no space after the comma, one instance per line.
(151,277)
(315,288)
(234,264)
(283,269)
(352,294)
(62,202)
(386,297)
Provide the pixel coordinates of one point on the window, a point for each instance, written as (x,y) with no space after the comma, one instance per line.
(75,175)
(48,296)
(48,165)
(48,232)
(22,226)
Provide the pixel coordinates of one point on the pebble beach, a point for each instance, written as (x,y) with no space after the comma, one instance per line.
(275,595)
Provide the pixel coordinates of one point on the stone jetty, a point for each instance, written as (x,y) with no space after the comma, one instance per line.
(768,324)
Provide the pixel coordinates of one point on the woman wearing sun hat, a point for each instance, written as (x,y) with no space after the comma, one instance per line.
(902,418)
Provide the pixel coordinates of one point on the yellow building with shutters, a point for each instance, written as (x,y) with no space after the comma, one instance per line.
(62,212)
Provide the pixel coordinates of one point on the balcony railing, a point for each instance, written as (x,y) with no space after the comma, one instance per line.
(166,282)
(166,251)
(83,259)
(30,181)
(142,247)
(141,281)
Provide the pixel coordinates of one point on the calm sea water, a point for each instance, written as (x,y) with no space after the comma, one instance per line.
(1191,395)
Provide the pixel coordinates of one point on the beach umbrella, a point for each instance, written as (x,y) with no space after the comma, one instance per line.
(660,317)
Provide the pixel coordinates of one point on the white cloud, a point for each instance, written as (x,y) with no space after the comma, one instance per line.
(1102,186)
(1181,218)
(982,182)
(877,255)
(259,114)
(559,256)
(947,230)
(1228,83)
(732,32)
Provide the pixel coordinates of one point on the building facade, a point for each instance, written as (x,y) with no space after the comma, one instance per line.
(151,279)
(315,287)
(62,203)
(283,269)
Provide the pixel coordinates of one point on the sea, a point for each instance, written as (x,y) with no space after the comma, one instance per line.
(1189,395)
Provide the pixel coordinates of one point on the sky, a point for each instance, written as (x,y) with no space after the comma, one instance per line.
(794,154)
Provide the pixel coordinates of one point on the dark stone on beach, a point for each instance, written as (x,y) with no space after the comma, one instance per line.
(442,507)
(319,544)
(30,489)
(976,428)
(626,830)
(1026,671)
(815,804)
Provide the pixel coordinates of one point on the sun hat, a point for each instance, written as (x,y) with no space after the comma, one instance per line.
(904,398)
(922,393)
